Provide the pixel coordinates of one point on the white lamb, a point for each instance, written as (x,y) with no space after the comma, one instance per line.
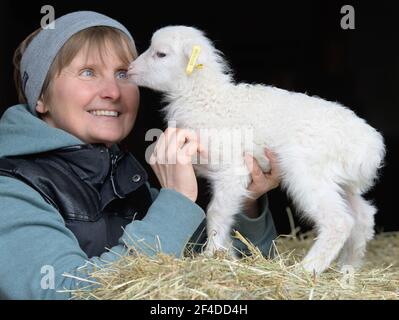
(327,155)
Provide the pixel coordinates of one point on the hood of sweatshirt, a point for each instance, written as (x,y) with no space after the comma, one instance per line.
(22,133)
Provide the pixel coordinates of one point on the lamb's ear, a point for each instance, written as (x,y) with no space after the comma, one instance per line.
(195,56)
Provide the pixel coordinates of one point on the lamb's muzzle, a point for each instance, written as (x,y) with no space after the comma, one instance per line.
(328,156)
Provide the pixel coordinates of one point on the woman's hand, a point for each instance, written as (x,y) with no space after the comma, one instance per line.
(261,182)
(171,161)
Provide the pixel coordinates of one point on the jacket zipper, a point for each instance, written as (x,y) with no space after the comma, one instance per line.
(114,160)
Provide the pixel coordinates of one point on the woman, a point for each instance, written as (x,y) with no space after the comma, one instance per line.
(69,196)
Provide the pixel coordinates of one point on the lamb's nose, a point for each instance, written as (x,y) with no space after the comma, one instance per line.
(130,72)
(132,69)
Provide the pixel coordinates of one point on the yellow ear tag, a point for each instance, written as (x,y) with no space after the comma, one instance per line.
(193,59)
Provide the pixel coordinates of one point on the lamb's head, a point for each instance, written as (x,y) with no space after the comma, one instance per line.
(163,66)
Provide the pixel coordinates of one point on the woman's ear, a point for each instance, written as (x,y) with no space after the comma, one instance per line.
(40,106)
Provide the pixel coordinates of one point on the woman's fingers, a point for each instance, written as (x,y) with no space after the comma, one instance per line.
(159,154)
(185,145)
(160,145)
(176,145)
(175,171)
(275,169)
(263,182)
(253,167)
(274,175)
(185,136)
(273,160)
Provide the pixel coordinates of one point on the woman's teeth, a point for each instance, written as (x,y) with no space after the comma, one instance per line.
(104,113)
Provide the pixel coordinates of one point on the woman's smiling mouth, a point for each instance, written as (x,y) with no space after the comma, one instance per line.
(107,113)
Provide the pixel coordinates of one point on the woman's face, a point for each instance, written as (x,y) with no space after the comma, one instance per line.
(92,98)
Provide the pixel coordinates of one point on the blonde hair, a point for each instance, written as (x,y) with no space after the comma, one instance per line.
(95,38)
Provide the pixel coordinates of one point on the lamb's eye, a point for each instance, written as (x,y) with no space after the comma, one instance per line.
(161,54)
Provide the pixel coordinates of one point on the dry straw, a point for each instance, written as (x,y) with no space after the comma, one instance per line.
(253,277)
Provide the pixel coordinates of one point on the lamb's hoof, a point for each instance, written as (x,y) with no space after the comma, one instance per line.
(347,268)
(220,251)
(209,252)
(349,265)
(313,267)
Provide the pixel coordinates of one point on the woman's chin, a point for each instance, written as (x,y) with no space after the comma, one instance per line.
(108,140)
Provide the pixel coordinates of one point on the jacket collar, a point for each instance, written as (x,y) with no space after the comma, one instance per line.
(113,172)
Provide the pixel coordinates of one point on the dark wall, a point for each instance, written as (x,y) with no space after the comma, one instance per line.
(295,46)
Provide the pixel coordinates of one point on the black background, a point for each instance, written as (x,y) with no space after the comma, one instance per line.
(298,46)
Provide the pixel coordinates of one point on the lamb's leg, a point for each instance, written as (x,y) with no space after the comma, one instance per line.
(363,231)
(334,224)
(229,191)
(321,202)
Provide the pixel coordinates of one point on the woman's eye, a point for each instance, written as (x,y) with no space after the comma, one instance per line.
(122,74)
(87,73)
(161,54)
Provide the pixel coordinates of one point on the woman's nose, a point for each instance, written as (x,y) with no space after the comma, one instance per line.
(110,89)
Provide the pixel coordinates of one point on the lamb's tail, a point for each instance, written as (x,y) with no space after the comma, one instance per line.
(368,163)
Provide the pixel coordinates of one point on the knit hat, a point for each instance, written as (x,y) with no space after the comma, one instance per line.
(40,53)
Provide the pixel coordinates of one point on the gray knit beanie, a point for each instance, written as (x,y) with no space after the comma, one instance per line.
(44,47)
